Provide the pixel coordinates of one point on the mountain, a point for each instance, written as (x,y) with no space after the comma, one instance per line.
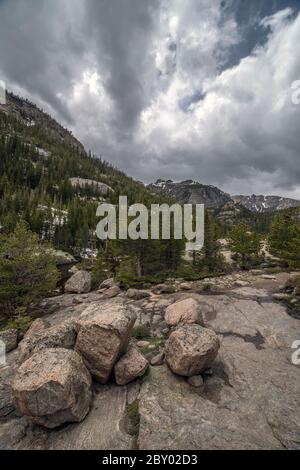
(191,192)
(266,203)
(48,178)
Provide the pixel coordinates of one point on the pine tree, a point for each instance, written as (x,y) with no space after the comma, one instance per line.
(27,269)
(284,239)
(245,244)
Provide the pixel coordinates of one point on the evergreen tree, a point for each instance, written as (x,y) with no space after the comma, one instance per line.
(284,239)
(245,244)
(27,269)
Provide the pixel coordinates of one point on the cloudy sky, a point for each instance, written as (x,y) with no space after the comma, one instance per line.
(193,89)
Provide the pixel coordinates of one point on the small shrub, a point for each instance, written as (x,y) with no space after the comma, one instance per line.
(133,415)
(22,324)
(141,332)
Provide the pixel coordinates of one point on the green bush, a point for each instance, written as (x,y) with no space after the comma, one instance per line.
(141,332)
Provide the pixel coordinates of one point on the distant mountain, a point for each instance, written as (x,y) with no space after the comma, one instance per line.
(265,203)
(191,192)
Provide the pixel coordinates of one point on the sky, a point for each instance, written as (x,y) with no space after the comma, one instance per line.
(171,89)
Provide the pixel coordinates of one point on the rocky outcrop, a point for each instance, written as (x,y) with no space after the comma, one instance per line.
(131,366)
(79,283)
(103,335)
(191,349)
(53,387)
(10,339)
(184,311)
(137,294)
(58,336)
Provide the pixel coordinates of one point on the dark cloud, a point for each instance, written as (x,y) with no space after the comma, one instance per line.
(166,88)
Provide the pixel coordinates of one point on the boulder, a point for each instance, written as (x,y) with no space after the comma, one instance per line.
(37,326)
(10,339)
(191,349)
(136,294)
(184,311)
(108,283)
(6,398)
(79,283)
(131,366)
(53,387)
(111,292)
(58,336)
(103,335)
(185,286)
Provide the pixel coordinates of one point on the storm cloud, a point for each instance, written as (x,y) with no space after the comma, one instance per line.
(164,88)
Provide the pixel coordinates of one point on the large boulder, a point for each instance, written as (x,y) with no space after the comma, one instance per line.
(58,336)
(53,387)
(79,283)
(10,339)
(184,311)
(191,349)
(103,335)
(131,366)
(137,294)
(37,326)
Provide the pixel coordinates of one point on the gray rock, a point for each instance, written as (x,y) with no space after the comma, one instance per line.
(196,381)
(53,387)
(103,336)
(37,326)
(79,283)
(59,336)
(137,294)
(108,283)
(131,366)
(158,360)
(112,292)
(191,350)
(10,339)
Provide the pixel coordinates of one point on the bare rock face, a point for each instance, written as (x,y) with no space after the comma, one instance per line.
(103,335)
(191,349)
(53,387)
(59,336)
(37,326)
(131,366)
(137,294)
(10,339)
(79,283)
(185,311)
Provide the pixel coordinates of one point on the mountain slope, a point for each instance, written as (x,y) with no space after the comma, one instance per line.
(191,192)
(266,203)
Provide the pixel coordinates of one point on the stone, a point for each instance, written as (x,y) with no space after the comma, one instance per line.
(62,335)
(137,294)
(158,360)
(79,283)
(196,381)
(184,311)
(10,339)
(185,286)
(108,283)
(239,283)
(131,366)
(268,277)
(112,292)
(164,289)
(7,405)
(143,344)
(53,387)
(37,326)
(103,336)
(191,349)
